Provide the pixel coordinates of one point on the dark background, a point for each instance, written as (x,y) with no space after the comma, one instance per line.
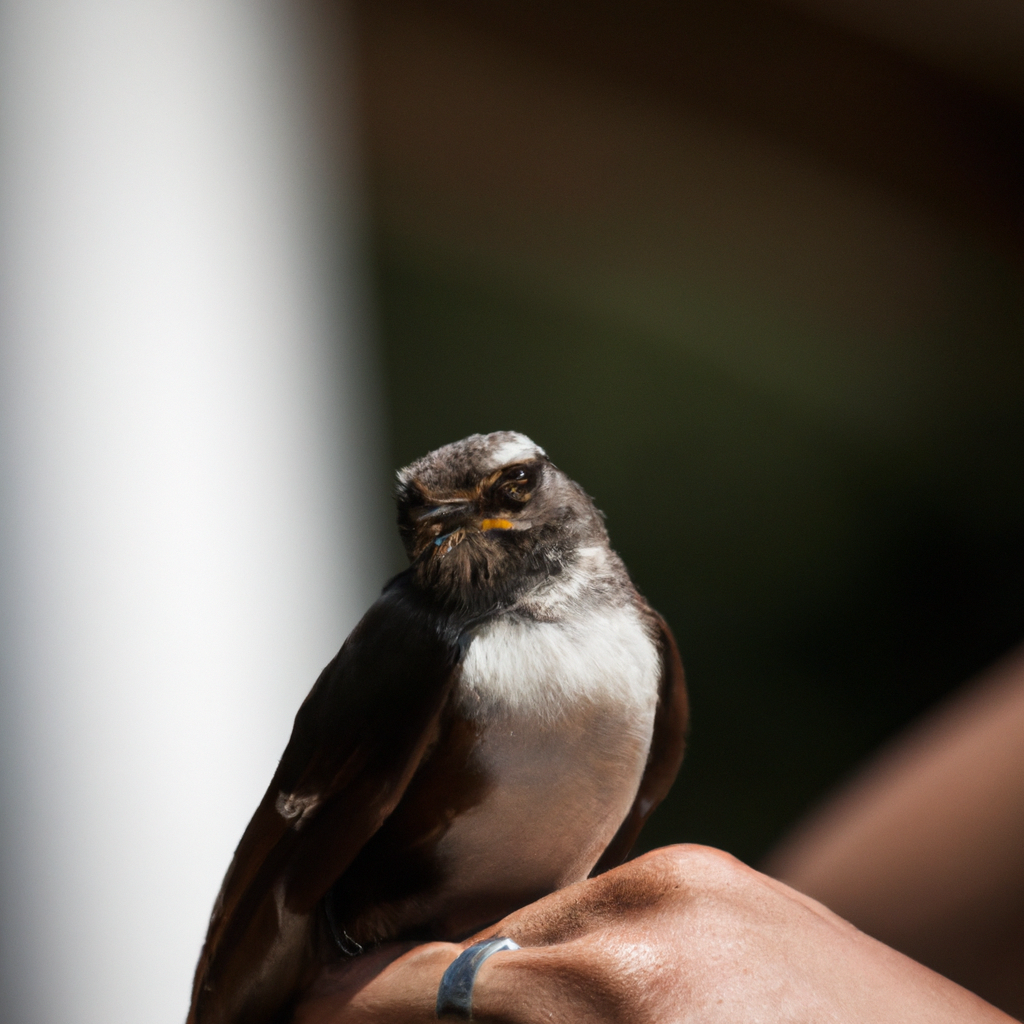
(753,277)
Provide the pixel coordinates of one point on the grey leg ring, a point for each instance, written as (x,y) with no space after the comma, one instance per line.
(455,993)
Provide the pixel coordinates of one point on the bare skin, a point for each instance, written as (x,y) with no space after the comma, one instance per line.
(684,934)
(924,849)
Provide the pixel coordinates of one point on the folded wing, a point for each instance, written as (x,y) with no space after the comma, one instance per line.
(357,741)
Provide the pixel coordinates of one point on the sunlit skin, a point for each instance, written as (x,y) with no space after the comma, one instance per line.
(925,847)
(684,934)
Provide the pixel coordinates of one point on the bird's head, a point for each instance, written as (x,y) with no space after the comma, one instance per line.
(489,517)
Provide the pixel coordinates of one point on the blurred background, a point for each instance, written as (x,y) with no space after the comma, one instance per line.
(752,272)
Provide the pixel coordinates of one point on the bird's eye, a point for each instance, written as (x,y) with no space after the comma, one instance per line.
(515,484)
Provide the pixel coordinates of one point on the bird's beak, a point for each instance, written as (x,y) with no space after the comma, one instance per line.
(495,524)
(441,526)
(446,508)
(444,524)
(446,541)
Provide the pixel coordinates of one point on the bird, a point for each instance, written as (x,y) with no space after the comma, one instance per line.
(500,724)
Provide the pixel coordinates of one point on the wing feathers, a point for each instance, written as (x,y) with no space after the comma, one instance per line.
(357,741)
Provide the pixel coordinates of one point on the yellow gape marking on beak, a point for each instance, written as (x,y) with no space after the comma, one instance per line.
(496,524)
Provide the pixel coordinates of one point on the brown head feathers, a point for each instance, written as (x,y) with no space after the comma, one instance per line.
(486,518)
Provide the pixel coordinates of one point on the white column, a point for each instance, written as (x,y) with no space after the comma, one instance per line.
(183,534)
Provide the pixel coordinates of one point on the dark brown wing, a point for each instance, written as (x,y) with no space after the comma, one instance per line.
(357,741)
(667,747)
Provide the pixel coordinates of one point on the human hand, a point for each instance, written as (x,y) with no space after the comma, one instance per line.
(682,934)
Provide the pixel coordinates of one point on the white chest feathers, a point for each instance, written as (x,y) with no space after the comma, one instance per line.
(602,655)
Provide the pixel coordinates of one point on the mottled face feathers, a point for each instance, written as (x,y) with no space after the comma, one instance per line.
(485,518)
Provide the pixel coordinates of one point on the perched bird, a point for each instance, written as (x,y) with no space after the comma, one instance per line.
(500,724)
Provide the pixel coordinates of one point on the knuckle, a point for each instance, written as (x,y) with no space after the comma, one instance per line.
(688,863)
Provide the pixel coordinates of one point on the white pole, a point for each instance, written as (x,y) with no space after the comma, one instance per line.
(182,541)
